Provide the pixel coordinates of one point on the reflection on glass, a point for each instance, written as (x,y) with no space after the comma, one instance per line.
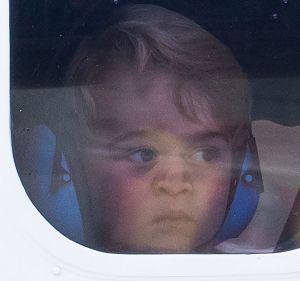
(148,147)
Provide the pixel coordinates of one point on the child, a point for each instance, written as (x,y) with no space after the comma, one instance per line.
(163,117)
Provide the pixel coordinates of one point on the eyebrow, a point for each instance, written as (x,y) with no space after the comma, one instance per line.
(190,138)
(206,136)
(132,134)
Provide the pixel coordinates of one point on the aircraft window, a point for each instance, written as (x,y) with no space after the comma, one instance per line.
(160,126)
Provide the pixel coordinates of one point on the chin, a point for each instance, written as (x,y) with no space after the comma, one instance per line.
(170,250)
(167,247)
(157,244)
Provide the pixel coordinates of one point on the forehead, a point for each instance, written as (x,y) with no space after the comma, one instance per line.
(128,100)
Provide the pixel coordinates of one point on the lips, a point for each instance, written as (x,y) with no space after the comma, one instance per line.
(173,216)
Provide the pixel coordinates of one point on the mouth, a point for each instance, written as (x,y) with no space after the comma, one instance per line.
(173,216)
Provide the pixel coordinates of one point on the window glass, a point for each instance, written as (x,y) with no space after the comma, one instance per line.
(160,126)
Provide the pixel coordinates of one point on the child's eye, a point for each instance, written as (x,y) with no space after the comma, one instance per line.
(205,155)
(143,155)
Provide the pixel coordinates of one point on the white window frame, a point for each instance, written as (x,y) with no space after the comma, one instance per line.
(31,249)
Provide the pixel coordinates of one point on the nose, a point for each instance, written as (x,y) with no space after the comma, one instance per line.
(173,178)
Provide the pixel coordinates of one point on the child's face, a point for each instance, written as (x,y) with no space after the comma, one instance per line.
(158,182)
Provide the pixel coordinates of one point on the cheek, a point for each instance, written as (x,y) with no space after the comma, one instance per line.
(116,193)
(217,184)
(219,195)
(212,196)
(214,179)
